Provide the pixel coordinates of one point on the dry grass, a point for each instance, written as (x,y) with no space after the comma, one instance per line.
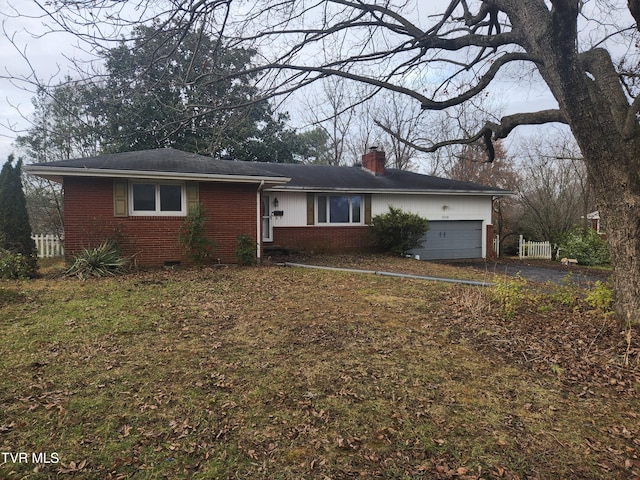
(284,374)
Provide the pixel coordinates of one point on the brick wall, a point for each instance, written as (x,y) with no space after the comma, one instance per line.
(230,210)
(323,239)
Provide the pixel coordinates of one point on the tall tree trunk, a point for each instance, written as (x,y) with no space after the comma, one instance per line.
(612,158)
(620,207)
(588,90)
(613,166)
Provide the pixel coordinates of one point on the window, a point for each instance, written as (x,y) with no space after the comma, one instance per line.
(339,209)
(157,199)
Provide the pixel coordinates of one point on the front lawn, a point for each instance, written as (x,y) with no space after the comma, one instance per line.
(284,373)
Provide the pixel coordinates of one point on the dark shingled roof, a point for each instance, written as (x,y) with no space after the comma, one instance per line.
(303,177)
(318,177)
(167,160)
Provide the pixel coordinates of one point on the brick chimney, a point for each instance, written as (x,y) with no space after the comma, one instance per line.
(374,161)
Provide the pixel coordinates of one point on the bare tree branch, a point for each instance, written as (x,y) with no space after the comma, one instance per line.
(491,131)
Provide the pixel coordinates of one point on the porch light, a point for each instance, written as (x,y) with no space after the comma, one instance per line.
(276,202)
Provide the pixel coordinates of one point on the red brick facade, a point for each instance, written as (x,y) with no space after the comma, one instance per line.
(323,239)
(230,209)
(89,219)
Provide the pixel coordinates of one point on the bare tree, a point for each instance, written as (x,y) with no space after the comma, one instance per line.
(332,111)
(438,126)
(395,113)
(557,151)
(470,166)
(441,57)
(551,196)
(363,134)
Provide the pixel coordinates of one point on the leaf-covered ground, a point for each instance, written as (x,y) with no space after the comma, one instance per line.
(284,373)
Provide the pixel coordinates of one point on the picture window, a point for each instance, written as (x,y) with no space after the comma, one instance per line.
(162,199)
(339,209)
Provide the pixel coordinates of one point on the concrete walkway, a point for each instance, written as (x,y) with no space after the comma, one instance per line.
(391,274)
(533,273)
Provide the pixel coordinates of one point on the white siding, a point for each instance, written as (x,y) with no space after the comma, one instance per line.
(440,207)
(432,207)
(437,207)
(294,206)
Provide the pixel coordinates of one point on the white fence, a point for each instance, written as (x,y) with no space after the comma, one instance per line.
(496,245)
(49,246)
(534,249)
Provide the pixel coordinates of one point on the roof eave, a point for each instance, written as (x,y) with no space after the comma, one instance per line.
(494,193)
(57,173)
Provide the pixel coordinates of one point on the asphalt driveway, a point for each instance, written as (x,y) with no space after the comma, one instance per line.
(539,270)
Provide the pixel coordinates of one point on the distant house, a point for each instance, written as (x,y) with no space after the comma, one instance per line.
(141,199)
(596,223)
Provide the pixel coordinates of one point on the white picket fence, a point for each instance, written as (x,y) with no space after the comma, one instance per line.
(534,249)
(49,246)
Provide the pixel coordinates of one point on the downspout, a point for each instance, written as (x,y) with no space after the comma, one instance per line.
(259,221)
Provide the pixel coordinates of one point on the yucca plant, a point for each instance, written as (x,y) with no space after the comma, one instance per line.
(101,261)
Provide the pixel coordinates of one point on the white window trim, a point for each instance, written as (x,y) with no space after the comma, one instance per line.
(328,223)
(157,212)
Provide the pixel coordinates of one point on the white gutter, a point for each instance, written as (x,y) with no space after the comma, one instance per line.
(143,174)
(278,188)
(259,222)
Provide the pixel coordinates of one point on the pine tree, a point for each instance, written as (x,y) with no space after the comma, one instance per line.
(15,230)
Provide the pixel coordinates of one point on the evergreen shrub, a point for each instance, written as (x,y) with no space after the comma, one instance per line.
(586,246)
(398,231)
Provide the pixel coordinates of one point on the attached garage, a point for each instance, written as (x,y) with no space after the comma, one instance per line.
(452,240)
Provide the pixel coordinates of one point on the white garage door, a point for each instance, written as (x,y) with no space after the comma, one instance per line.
(447,240)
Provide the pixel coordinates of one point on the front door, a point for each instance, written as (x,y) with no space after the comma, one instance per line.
(267,221)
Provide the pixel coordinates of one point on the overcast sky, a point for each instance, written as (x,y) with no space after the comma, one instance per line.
(47,57)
